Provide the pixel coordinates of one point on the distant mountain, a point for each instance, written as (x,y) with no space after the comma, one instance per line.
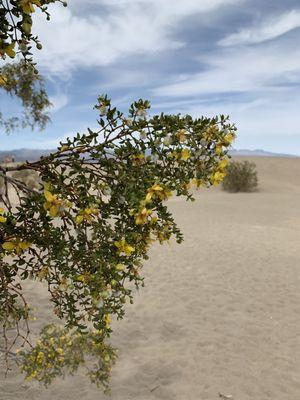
(258,152)
(21,155)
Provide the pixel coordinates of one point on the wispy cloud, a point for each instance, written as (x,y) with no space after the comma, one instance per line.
(269,28)
(131,27)
(59,101)
(239,70)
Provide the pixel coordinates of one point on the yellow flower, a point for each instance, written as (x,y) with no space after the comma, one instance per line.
(79,219)
(54,205)
(157,191)
(27,5)
(107,320)
(124,248)
(161,236)
(223,164)
(16,245)
(142,216)
(86,215)
(2,219)
(47,186)
(175,154)
(186,186)
(185,154)
(43,273)
(211,131)
(85,278)
(120,267)
(3,80)
(217,178)
(40,357)
(63,284)
(63,148)
(157,188)
(219,149)
(153,220)
(137,159)
(33,375)
(9,246)
(27,26)
(228,139)
(49,196)
(181,135)
(24,245)
(9,50)
(198,182)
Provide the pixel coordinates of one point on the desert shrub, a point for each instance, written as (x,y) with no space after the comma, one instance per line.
(30,178)
(241,177)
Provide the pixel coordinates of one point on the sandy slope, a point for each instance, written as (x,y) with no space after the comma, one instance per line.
(220,313)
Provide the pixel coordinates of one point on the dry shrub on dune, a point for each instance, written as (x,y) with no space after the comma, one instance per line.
(241,177)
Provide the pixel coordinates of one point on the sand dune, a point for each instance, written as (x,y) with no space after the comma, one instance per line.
(219,313)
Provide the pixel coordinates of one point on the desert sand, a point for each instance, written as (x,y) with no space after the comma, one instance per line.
(219,313)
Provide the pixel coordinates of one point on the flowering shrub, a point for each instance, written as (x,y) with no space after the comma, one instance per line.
(84,226)
(30,178)
(86,231)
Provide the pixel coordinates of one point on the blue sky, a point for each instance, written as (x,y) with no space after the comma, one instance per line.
(201,57)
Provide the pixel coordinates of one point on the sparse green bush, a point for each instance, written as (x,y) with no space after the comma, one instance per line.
(30,178)
(241,177)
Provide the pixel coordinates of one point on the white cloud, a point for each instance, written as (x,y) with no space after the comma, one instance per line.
(247,113)
(58,101)
(256,86)
(238,70)
(71,42)
(131,27)
(170,7)
(51,143)
(267,30)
